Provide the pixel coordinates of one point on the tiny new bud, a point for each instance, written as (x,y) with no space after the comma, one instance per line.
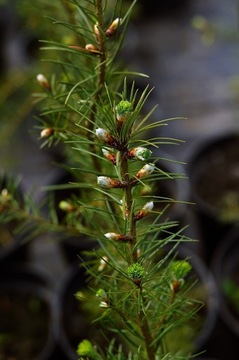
(5,194)
(66,206)
(101,294)
(85,348)
(96,31)
(45,133)
(5,198)
(104,182)
(110,156)
(118,237)
(180,268)
(105,136)
(123,109)
(146,170)
(108,183)
(148,206)
(103,263)
(112,236)
(135,272)
(145,210)
(140,153)
(80,296)
(113,27)
(102,134)
(104,304)
(176,285)
(42,80)
(92,49)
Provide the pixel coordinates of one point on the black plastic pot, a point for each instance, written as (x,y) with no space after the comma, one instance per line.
(164,7)
(213,170)
(205,358)
(26,313)
(225,266)
(73,247)
(14,248)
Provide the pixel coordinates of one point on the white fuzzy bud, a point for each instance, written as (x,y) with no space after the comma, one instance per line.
(102,134)
(42,80)
(145,210)
(106,152)
(148,206)
(103,304)
(112,236)
(104,182)
(108,183)
(45,133)
(103,263)
(146,170)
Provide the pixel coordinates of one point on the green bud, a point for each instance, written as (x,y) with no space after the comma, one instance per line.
(180,268)
(85,348)
(66,206)
(101,294)
(135,272)
(142,153)
(124,107)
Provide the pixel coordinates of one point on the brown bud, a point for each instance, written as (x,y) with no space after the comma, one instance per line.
(42,80)
(118,237)
(107,183)
(176,286)
(144,211)
(97,32)
(110,156)
(105,136)
(146,170)
(92,49)
(113,27)
(45,133)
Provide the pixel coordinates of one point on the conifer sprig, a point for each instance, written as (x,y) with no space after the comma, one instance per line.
(91,105)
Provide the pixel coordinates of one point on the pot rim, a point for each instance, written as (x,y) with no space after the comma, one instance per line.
(194,153)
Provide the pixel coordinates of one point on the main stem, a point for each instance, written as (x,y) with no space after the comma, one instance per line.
(128,201)
(145,329)
(101,79)
(128,190)
(143,322)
